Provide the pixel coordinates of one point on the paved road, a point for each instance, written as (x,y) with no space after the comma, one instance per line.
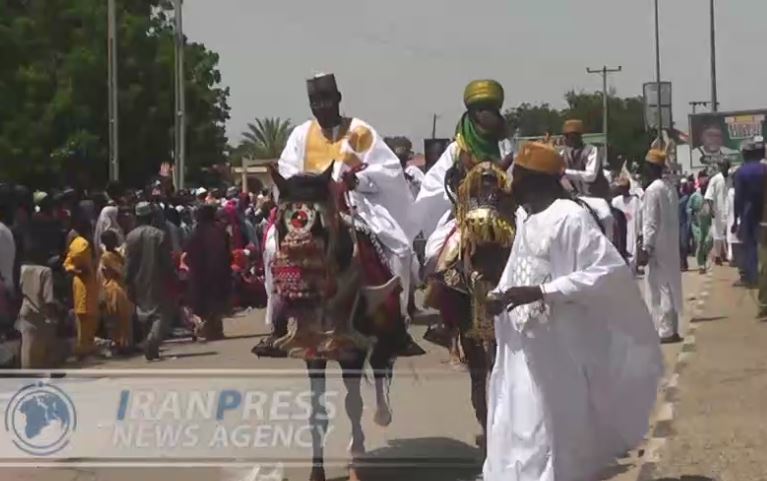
(433,419)
(719,427)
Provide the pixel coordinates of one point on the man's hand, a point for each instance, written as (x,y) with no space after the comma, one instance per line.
(514,297)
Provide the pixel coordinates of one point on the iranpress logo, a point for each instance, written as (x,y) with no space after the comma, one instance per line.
(40,418)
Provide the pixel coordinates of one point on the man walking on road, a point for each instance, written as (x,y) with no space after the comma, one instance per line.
(578,362)
(717,196)
(660,234)
(749,207)
(148,267)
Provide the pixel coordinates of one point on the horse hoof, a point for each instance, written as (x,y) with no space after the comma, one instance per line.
(382,416)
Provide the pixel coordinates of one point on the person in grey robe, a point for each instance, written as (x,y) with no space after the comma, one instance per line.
(148,274)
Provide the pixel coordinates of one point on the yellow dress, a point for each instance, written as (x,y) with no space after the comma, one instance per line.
(118,309)
(85,292)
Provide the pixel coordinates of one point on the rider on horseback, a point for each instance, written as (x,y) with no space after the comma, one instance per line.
(481,136)
(377,189)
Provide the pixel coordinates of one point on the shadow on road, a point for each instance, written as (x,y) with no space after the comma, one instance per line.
(686,478)
(613,471)
(696,320)
(183,355)
(414,460)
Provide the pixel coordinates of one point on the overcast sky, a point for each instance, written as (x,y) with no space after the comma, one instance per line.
(399,61)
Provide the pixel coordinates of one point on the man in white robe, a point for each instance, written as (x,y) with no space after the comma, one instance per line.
(716,194)
(660,237)
(360,158)
(433,210)
(631,207)
(578,361)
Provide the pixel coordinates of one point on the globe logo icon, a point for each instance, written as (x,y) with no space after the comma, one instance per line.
(40,418)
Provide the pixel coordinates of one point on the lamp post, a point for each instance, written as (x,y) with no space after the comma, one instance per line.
(180,104)
(659,138)
(114,140)
(714,96)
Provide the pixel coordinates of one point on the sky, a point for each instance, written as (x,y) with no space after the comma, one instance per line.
(398,62)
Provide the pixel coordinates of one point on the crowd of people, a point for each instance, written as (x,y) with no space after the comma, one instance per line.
(720,214)
(118,269)
(570,324)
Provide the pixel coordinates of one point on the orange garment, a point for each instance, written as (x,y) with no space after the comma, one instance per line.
(118,310)
(85,292)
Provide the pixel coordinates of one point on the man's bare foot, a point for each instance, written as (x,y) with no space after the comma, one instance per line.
(382,416)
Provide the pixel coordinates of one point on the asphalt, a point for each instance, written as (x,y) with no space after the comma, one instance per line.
(719,427)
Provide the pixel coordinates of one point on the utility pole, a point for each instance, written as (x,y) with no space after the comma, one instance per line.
(659,139)
(434,126)
(714,99)
(114,138)
(604,72)
(180,104)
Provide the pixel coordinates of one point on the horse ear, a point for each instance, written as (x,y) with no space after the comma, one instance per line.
(279,180)
(327,175)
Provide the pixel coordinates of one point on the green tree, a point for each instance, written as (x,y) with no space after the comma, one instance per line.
(531,120)
(266,138)
(399,142)
(53,92)
(628,137)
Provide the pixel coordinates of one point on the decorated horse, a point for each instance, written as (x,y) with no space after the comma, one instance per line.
(470,265)
(340,301)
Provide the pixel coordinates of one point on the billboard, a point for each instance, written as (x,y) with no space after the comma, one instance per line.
(718,136)
(651,100)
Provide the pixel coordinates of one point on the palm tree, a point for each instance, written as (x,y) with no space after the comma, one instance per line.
(266,138)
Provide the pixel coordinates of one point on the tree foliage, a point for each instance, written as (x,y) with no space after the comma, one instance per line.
(265,139)
(626,129)
(399,142)
(54,93)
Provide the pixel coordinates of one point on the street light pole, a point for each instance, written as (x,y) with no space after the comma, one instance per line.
(114,139)
(180,104)
(434,126)
(604,72)
(714,99)
(657,77)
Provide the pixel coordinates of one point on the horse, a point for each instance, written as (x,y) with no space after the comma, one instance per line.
(338,300)
(470,266)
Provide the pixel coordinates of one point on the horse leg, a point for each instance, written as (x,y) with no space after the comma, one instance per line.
(382,363)
(478,363)
(318,420)
(351,370)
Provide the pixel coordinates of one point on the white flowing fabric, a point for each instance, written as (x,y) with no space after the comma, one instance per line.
(414,177)
(108,220)
(631,207)
(576,374)
(602,209)
(433,207)
(717,194)
(660,216)
(382,199)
